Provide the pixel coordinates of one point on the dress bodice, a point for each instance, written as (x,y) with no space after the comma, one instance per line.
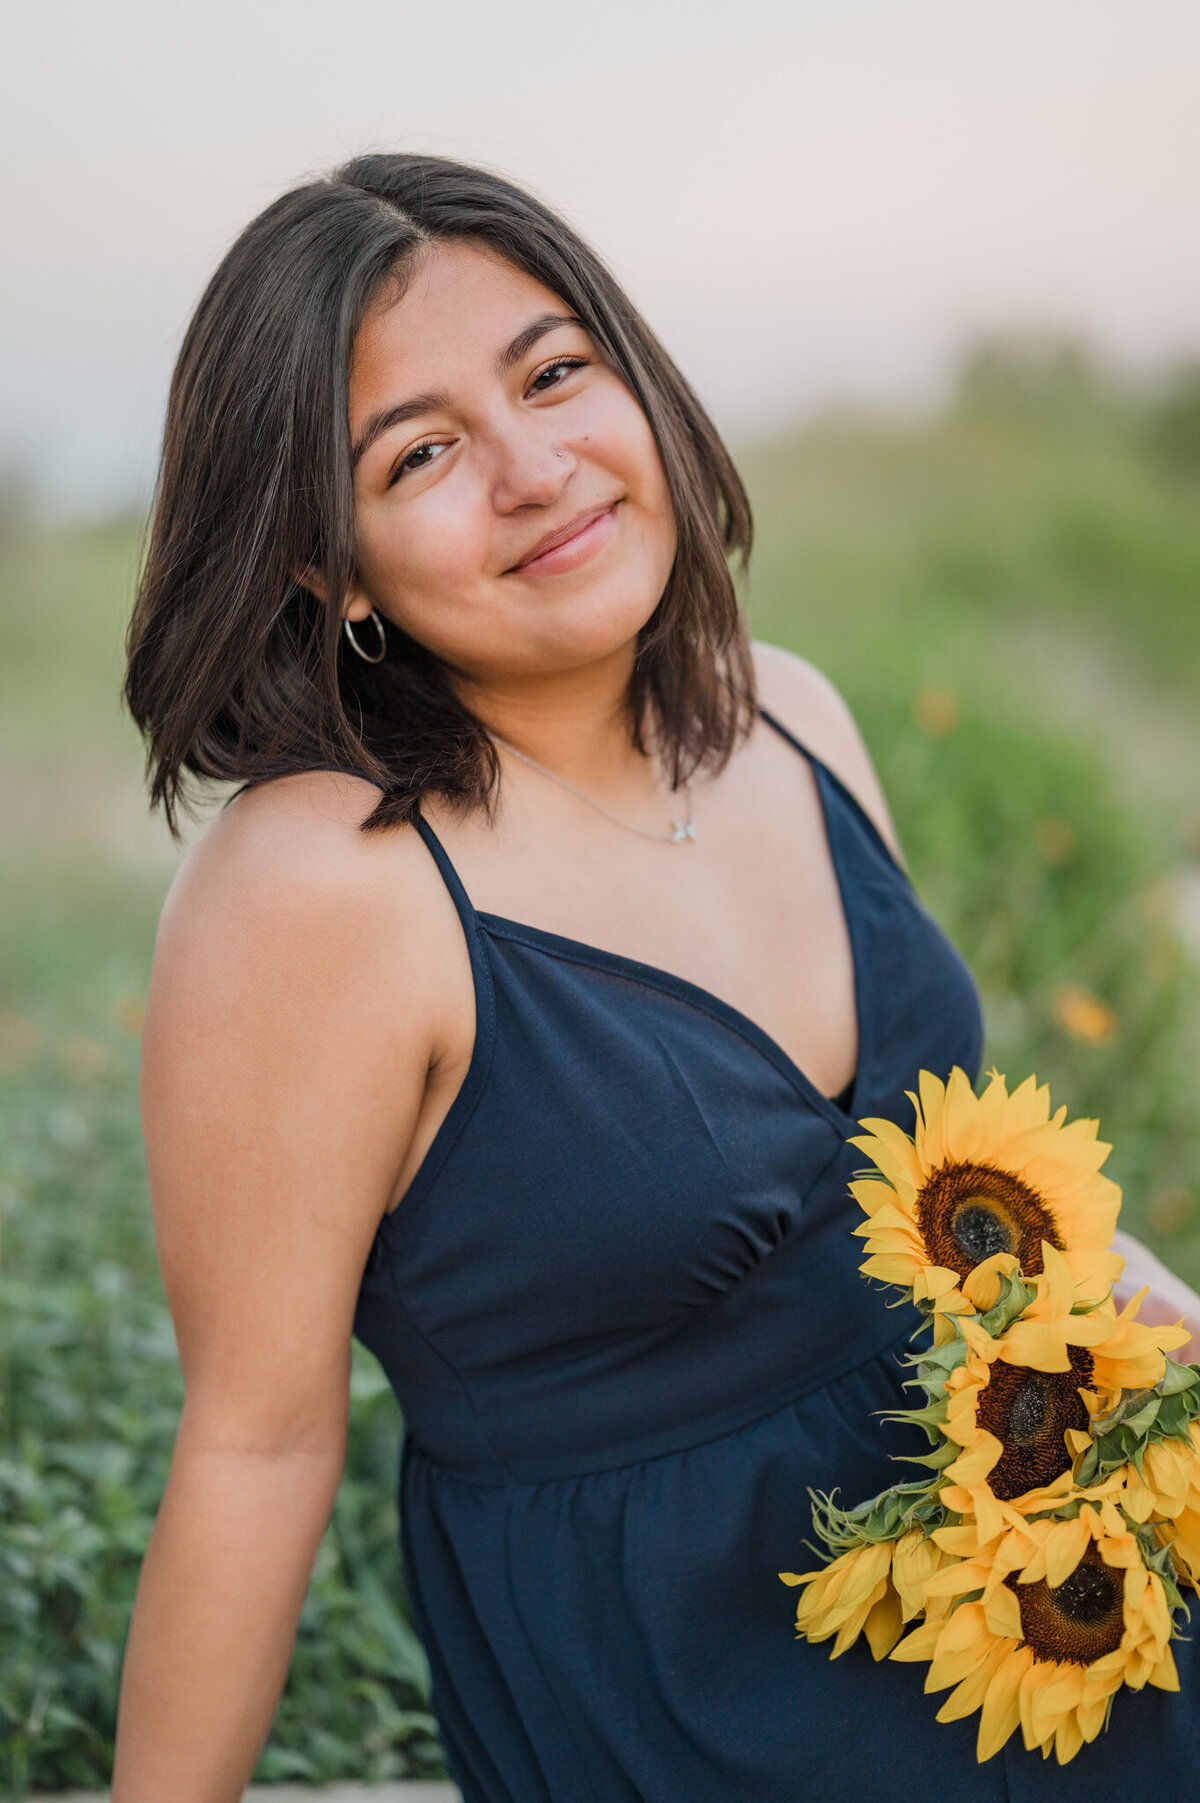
(632,1230)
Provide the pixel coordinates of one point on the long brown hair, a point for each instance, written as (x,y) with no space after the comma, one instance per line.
(236,672)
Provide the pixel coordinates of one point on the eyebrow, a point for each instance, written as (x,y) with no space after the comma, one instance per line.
(509,357)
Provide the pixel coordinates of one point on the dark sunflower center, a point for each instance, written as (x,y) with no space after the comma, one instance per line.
(1080,1620)
(980,1232)
(969,1212)
(1029,1412)
(1087,1596)
(1027,1418)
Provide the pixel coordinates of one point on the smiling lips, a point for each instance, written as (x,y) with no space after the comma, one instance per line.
(572,544)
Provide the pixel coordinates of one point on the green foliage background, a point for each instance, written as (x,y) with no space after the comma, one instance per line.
(1008,596)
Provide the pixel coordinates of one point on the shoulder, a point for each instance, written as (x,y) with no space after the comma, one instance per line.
(803,699)
(293,850)
(285,901)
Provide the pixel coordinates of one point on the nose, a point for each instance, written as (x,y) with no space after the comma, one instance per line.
(531,467)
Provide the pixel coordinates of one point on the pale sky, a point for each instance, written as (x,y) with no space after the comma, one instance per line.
(810,199)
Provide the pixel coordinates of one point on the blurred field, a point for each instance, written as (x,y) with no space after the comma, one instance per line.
(1009,595)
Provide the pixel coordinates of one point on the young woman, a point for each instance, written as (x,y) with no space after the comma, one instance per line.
(513,1016)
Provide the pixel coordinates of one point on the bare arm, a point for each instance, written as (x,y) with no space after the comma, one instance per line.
(284,1071)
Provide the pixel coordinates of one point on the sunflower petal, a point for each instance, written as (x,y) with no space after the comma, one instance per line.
(1039,1345)
(899,1158)
(962,1123)
(884,1625)
(920,1644)
(968,1694)
(1000,1715)
(1065,1546)
(1165,1676)
(1003,1613)
(928,1137)
(1027,1692)
(1068,1739)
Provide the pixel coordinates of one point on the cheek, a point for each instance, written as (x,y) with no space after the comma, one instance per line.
(632,455)
(620,439)
(423,555)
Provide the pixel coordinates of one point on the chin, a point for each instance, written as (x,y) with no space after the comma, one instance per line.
(580,629)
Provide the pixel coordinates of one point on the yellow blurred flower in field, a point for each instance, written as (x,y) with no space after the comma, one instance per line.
(1171,1209)
(129,1013)
(86,1060)
(1163,959)
(1158,901)
(1055,839)
(20,1042)
(1084,1016)
(984,1176)
(1059,1615)
(936,712)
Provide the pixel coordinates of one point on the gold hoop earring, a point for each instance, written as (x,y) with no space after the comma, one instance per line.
(367,657)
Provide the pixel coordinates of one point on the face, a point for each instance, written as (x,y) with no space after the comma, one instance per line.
(512,513)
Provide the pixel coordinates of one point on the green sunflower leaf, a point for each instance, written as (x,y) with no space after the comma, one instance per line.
(1180,1378)
(884,1517)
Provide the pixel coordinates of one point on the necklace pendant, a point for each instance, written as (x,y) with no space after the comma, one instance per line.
(684,829)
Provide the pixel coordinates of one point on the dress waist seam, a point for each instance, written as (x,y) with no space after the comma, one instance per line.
(513,1478)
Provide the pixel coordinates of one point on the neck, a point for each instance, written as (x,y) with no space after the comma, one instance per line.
(575,722)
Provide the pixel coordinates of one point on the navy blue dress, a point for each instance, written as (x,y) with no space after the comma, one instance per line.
(621,1310)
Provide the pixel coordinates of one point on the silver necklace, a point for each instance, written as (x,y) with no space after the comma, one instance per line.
(681,831)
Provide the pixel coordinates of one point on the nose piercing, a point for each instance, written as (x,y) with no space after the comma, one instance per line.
(560,453)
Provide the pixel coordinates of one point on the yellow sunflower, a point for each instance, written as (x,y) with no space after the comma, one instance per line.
(1060,1614)
(987,1174)
(1019,1404)
(875,1589)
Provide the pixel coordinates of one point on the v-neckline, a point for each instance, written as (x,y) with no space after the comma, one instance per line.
(653,976)
(477,924)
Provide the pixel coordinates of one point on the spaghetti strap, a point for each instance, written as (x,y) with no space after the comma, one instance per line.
(451,878)
(843,789)
(785,732)
(438,852)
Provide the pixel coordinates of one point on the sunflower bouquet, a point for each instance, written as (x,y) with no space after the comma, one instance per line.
(1036,1565)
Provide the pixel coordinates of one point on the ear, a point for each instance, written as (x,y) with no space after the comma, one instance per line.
(356,605)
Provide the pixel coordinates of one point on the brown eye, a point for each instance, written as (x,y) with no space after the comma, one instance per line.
(542,382)
(419,458)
